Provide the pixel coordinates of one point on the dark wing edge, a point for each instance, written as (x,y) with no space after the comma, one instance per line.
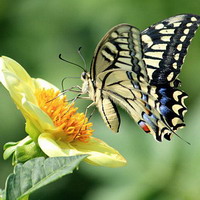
(165,45)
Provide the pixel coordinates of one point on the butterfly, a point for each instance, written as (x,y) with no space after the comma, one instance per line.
(138,71)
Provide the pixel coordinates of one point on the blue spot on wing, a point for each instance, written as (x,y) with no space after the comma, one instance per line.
(164,110)
(165,101)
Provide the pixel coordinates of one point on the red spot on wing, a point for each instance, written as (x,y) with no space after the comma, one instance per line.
(143,125)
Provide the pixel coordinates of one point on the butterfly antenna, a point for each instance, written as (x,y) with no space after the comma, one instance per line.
(79,52)
(62,82)
(60,56)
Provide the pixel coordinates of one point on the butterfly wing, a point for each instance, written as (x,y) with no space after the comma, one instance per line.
(139,72)
(165,46)
(150,106)
(108,110)
(119,49)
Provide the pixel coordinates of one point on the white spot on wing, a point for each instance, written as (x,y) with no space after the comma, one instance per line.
(176,94)
(147,40)
(166,38)
(150,72)
(159,46)
(189,24)
(152,62)
(174,65)
(114,35)
(176,57)
(182,38)
(186,31)
(179,47)
(175,121)
(177,24)
(155,54)
(159,26)
(167,31)
(170,76)
(176,108)
(193,19)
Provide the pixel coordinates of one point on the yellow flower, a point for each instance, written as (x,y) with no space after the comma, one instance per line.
(52,122)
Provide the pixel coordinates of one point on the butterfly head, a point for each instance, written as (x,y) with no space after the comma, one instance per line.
(85,77)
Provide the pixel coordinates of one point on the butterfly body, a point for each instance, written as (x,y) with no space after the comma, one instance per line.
(138,71)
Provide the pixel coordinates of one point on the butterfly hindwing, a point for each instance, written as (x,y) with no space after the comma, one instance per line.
(109,113)
(165,46)
(158,111)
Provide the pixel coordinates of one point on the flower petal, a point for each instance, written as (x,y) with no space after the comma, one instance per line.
(16,80)
(10,65)
(49,146)
(37,116)
(99,152)
(22,89)
(41,83)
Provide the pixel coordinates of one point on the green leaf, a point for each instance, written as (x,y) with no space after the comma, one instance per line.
(38,172)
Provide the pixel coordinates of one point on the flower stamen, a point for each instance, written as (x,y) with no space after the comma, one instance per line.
(74,125)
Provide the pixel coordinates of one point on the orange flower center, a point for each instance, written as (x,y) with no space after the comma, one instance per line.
(71,125)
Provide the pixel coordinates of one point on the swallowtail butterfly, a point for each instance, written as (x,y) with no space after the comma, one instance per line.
(138,71)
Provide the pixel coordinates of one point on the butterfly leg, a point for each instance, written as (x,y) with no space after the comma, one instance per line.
(72,89)
(86,110)
(75,98)
(91,114)
(86,98)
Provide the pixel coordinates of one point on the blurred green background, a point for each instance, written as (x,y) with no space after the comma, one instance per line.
(35,32)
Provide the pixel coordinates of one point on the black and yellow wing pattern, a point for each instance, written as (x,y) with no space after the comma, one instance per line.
(139,70)
(113,53)
(165,46)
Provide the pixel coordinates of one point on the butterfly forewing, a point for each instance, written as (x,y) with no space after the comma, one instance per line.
(165,46)
(120,49)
